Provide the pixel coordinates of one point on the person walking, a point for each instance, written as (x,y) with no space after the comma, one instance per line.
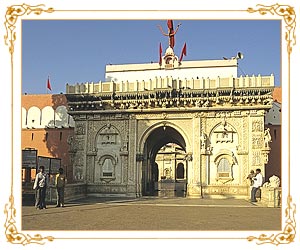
(258,179)
(40,187)
(60,182)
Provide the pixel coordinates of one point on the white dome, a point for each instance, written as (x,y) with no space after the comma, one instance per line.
(169,51)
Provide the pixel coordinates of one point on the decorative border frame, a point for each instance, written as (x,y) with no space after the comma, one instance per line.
(14,236)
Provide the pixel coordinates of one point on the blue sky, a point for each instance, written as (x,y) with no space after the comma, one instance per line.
(76,51)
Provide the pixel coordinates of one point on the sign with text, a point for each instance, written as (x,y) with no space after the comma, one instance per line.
(55,165)
(44,161)
(29,158)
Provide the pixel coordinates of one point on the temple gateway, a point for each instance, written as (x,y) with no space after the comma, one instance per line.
(175,128)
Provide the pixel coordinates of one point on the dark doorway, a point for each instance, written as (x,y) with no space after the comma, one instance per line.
(180,171)
(165,150)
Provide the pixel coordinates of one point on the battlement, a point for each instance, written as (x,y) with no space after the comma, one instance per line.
(157,83)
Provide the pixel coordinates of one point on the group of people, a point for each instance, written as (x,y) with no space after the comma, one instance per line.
(40,186)
(41,183)
(256,181)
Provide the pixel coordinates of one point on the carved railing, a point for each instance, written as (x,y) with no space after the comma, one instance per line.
(170,83)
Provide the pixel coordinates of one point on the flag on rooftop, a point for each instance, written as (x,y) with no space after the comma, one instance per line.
(183,52)
(160,54)
(48,84)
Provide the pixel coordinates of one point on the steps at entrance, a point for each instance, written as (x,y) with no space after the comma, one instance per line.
(171,189)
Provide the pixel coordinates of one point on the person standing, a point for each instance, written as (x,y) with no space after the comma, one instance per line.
(40,187)
(60,182)
(258,179)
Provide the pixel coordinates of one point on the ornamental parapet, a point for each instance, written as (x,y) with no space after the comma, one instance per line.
(170,83)
(193,93)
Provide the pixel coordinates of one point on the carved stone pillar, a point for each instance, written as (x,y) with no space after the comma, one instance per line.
(134,169)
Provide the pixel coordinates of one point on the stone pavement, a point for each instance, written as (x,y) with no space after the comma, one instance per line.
(151,213)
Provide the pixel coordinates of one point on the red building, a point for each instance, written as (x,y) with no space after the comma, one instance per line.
(46,128)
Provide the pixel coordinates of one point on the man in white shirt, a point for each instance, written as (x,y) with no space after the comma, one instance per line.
(258,180)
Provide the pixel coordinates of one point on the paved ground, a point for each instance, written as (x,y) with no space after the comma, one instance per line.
(153,214)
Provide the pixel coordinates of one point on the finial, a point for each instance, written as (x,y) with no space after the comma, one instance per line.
(171,33)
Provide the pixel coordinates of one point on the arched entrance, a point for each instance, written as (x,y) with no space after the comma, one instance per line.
(164,151)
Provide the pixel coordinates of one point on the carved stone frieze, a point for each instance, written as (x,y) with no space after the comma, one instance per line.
(256,158)
(245,168)
(165,116)
(79,144)
(257,141)
(91,131)
(196,115)
(245,134)
(236,113)
(110,137)
(257,125)
(132,116)
(80,128)
(253,112)
(90,170)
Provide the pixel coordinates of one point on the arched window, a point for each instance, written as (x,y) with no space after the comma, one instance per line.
(223,168)
(180,171)
(107,168)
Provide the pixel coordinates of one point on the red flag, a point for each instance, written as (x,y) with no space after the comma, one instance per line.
(171,33)
(160,53)
(183,52)
(170,24)
(48,84)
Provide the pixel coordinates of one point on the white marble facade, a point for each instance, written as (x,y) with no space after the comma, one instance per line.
(218,122)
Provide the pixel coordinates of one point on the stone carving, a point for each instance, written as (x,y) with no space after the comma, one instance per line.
(274,182)
(206,104)
(198,103)
(164,115)
(108,135)
(79,144)
(70,139)
(257,141)
(139,157)
(267,138)
(124,148)
(80,129)
(197,115)
(257,126)
(256,158)
(90,135)
(245,134)
(120,136)
(189,157)
(265,155)
(268,101)
(203,139)
(107,164)
(72,143)
(224,133)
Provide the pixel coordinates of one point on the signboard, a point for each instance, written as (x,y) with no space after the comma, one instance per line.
(29,158)
(44,161)
(51,164)
(55,165)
